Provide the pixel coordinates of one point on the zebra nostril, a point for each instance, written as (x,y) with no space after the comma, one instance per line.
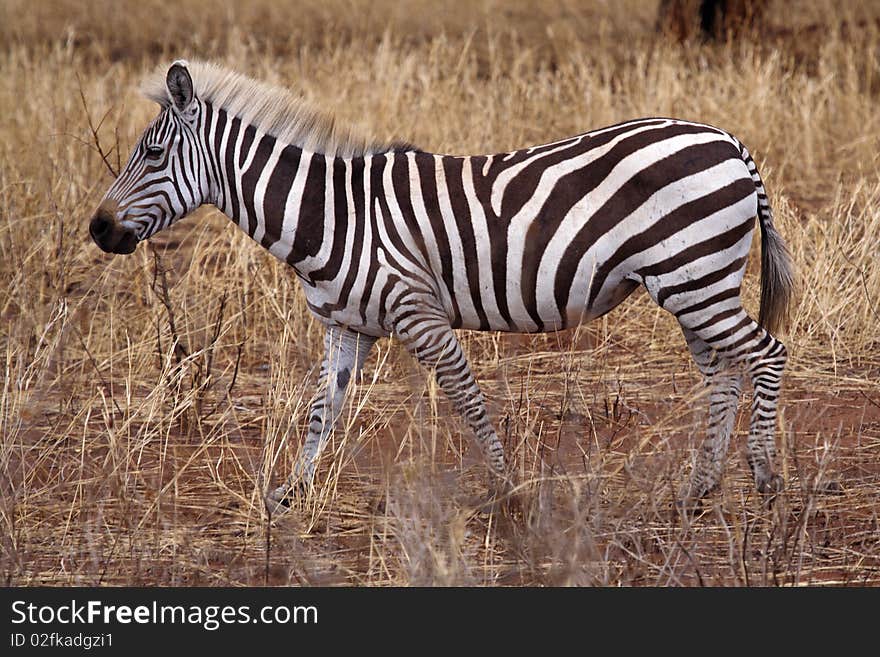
(100,225)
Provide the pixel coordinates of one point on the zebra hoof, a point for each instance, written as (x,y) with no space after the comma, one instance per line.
(770,485)
(487,506)
(689,506)
(501,486)
(690,499)
(506,504)
(281,499)
(832,487)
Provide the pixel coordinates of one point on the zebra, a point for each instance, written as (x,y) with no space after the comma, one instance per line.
(389,240)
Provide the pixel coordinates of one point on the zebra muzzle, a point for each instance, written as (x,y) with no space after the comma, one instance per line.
(109,235)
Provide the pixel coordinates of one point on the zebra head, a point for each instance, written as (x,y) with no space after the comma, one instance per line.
(166,175)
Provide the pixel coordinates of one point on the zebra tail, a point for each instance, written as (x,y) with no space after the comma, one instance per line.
(777,271)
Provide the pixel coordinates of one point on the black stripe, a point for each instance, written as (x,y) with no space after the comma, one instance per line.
(573,146)
(428,180)
(383,297)
(249,179)
(707,303)
(403,195)
(701,282)
(716,318)
(246,142)
(377,169)
(414,264)
(218,138)
(711,340)
(330,269)
(522,188)
(230,173)
(452,167)
(713,244)
(733,348)
(277,190)
(310,227)
(186,139)
(210,153)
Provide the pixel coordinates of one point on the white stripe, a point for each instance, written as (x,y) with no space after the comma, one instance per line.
(401,228)
(484,250)
(221,163)
(487,165)
(421,213)
(237,172)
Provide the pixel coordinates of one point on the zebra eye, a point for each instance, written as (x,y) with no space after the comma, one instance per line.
(154,151)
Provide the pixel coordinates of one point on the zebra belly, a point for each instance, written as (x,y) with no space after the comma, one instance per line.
(352,311)
(579,309)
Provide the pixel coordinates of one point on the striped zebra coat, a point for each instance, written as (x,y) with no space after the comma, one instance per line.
(389,240)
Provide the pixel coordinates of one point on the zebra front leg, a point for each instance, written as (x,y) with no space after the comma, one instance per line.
(345,352)
(433,342)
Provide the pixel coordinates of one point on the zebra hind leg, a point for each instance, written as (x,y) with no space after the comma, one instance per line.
(725,389)
(739,341)
(766,372)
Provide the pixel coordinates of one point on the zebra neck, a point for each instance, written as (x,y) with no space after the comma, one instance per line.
(280,195)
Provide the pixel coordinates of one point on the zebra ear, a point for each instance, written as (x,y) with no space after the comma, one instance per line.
(180,85)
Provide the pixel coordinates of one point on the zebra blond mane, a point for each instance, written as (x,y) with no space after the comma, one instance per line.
(270,108)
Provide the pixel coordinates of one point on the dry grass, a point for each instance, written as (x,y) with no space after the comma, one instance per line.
(137,453)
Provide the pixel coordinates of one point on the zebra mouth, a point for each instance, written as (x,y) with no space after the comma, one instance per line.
(126,244)
(111,238)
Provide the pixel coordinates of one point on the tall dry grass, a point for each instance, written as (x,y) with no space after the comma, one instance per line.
(148,402)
